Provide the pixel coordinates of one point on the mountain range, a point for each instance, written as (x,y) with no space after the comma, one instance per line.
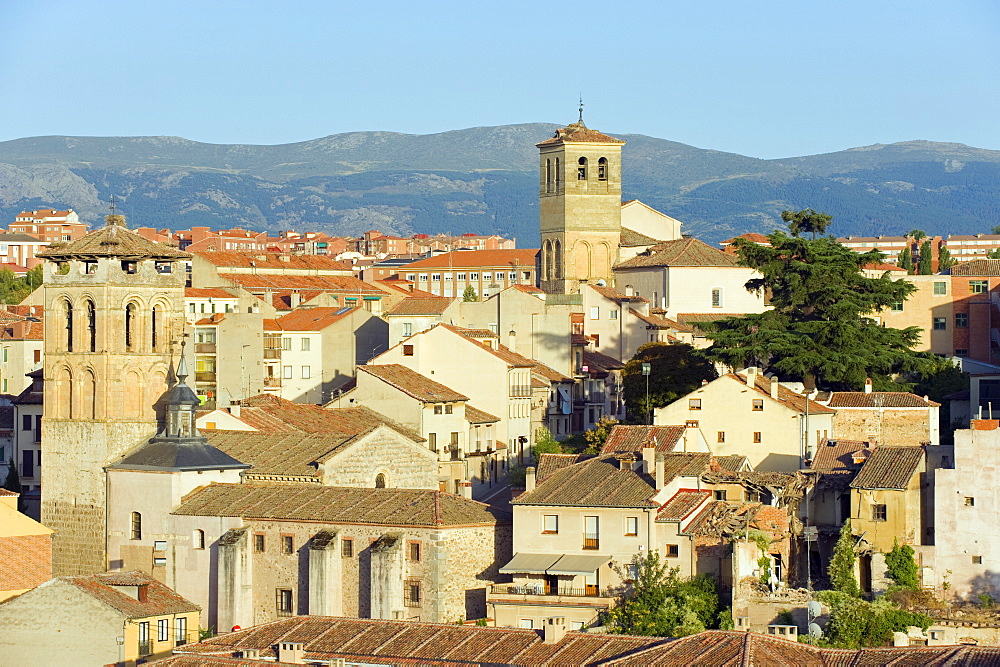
(484,180)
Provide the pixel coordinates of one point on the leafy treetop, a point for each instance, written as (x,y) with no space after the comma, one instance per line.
(806,221)
(676,369)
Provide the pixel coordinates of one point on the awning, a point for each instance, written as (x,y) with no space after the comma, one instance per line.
(566,401)
(529,564)
(574,565)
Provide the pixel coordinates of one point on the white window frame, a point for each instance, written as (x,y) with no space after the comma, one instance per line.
(306,372)
(306,344)
(286,372)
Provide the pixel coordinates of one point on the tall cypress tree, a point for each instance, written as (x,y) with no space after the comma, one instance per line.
(925,266)
(905,260)
(841,570)
(945,260)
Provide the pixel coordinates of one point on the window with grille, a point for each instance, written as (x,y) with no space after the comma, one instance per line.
(940,323)
(287,544)
(136,526)
(258,543)
(978,286)
(411,593)
(940,288)
(961,320)
(673,551)
(878,513)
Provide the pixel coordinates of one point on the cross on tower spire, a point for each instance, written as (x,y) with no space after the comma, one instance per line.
(581,108)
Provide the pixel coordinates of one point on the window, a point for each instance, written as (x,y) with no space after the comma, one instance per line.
(460,276)
(550,524)
(181,633)
(940,288)
(423,276)
(144,647)
(432,441)
(970,501)
(940,323)
(978,286)
(287,544)
(136,526)
(286,343)
(961,320)
(411,593)
(720,494)
(526,624)
(198,539)
(407,350)
(721,436)
(305,344)
(977,560)
(161,630)
(673,551)
(380,481)
(160,545)
(306,372)
(473,276)
(258,543)
(407,329)
(413,552)
(961,352)
(716,297)
(581,170)
(632,525)
(454,441)
(896,306)
(129,326)
(435,276)
(448,409)
(691,423)
(878,513)
(591,534)
(347,548)
(613,314)
(595,313)
(25,421)
(286,372)
(283,600)
(758,404)
(757,438)
(602,169)
(438,409)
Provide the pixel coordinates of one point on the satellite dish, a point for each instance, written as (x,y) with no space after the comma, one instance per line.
(815,630)
(602,283)
(815,608)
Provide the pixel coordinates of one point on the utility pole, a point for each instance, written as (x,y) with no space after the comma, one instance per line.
(646,370)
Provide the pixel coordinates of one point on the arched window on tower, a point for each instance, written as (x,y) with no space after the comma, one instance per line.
(581,170)
(130,326)
(380,481)
(557,251)
(153,324)
(91,326)
(69,325)
(558,173)
(547,261)
(548,175)
(89,396)
(602,169)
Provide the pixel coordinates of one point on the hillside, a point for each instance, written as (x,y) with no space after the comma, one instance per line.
(484,180)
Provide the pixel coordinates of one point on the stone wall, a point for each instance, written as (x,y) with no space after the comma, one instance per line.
(886,427)
(405,464)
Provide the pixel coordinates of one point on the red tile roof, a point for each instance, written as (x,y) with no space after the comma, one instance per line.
(878,399)
(753,237)
(682,252)
(624,438)
(477,416)
(160,600)
(978,268)
(25,560)
(114,240)
(312,319)
(207,293)
(270,260)
(346,285)
(413,383)
(682,504)
(578,132)
(889,468)
(421,306)
(615,295)
(605,481)
(631,238)
(470,259)
(786,396)
(839,454)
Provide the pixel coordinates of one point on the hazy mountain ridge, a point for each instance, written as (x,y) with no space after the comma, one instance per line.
(484,179)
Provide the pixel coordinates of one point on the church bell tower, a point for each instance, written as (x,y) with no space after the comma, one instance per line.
(580,190)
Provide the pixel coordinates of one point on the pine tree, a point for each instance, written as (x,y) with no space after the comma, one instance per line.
(925,266)
(820,329)
(806,221)
(470,294)
(841,570)
(905,260)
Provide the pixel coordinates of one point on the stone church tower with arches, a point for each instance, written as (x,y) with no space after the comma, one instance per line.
(114,305)
(580,191)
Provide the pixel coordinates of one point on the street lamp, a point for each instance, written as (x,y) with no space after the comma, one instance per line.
(646,370)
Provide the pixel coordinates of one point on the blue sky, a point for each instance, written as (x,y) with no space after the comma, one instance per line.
(767,79)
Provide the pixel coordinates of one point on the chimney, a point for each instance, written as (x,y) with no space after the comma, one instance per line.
(751,372)
(529,478)
(648,459)
(295,298)
(250,653)
(291,652)
(234,410)
(466,488)
(774,388)
(142,592)
(512,340)
(554,630)
(868,385)
(660,473)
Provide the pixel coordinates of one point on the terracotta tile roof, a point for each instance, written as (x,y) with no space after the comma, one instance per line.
(160,600)
(615,295)
(274,414)
(787,397)
(404,287)
(878,399)
(307,286)
(660,322)
(723,519)
(599,482)
(271,260)
(549,463)
(43,213)
(470,259)
(839,454)
(722,648)
(631,239)
(579,133)
(279,454)
(333,504)
(601,363)
(25,560)
(681,504)
(477,416)
(889,468)
(207,293)
(214,318)
(372,641)
(882,266)
(421,306)
(985,268)
(682,252)
(624,438)
(312,319)
(753,237)
(730,463)
(114,240)
(413,383)
(528,289)
(685,464)
(22,329)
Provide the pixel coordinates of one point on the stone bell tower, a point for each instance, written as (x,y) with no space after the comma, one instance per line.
(580,190)
(114,306)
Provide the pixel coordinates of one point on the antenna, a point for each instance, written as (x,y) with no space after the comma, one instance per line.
(112,204)
(581,108)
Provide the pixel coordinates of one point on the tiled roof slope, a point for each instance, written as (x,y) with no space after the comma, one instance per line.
(720,648)
(631,238)
(413,383)
(420,306)
(660,322)
(308,286)
(878,399)
(312,319)
(786,396)
(333,504)
(682,252)
(160,600)
(601,363)
(578,132)
(599,482)
(506,354)
(271,260)
(685,464)
(25,561)
(753,237)
(729,463)
(977,268)
(114,240)
(207,293)
(268,413)
(615,295)
(465,259)
(370,641)
(549,463)
(682,504)
(280,454)
(624,438)
(477,416)
(839,454)
(889,468)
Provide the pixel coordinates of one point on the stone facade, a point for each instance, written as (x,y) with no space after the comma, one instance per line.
(403,463)
(889,426)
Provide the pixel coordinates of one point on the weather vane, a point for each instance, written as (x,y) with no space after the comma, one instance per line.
(581,108)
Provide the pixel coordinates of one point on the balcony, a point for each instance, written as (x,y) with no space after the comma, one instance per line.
(204,348)
(204,376)
(272,382)
(520,391)
(591,541)
(510,593)
(145,648)
(272,354)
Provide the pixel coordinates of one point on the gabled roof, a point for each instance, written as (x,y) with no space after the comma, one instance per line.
(600,363)
(753,237)
(729,648)
(333,504)
(471,259)
(681,252)
(312,319)
(604,481)
(681,504)
(839,454)
(113,240)
(685,464)
(632,239)
(786,397)
(415,305)
(477,416)
(160,600)
(616,296)
(413,383)
(549,463)
(272,260)
(661,322)
(889,468)
(579,133)
(506,354)
(878,399)
(984,268)
(624,438)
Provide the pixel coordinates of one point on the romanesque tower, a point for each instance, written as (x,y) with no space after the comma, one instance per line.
(114,308)
(580,187)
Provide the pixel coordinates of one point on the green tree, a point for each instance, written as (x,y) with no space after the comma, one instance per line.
(34,277)
(545,443)
(996,229)
(820,329)
(596,437)
(676,369)
(470,294)
(905,260)
(807,220)
(945,260)
(12,482)
(841,569)
(659,604)
(901,567)
(917,235)
(855,622)
(925,267)
(993,254)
